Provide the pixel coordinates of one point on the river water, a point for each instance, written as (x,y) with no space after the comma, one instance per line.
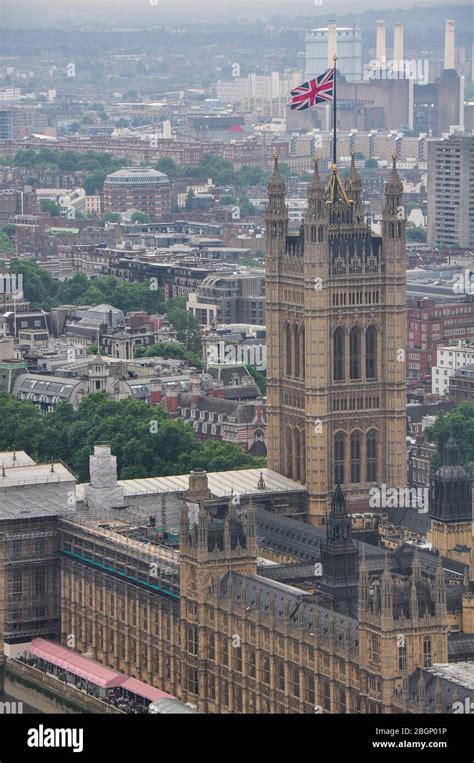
(34,701)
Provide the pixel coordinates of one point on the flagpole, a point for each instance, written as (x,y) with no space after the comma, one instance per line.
(334,152)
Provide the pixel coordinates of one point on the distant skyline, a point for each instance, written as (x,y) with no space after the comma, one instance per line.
(27,13)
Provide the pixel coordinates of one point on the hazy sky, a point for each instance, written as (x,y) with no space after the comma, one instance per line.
(29,12)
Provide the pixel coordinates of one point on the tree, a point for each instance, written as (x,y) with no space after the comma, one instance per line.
(111,217)
(188,329)
(140,217)
(5,243)
(416,234)
(172,350)
(260,378)
(188,204)
(92,350)
(87,119)
(168,447)
(246,207)
(371,164)
(38,285)
(227,199)
(168,165)
(94,183)
(50,208)
(460,424)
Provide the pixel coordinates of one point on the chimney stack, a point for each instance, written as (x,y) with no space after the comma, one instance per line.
(449,45)
(172,399)
(332,42)
(380,53)
(398,46)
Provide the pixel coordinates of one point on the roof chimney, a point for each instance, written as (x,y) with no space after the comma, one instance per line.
(332,42)
(398,46)
(172,398)
(449,45)
(380,53)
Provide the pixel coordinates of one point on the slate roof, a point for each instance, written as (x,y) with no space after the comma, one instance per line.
(460,647)
(304,542)
(242,411)
(288,602)
(452,682)
(408,517)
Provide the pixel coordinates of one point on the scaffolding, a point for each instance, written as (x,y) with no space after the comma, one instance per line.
(29,575)
(118,552)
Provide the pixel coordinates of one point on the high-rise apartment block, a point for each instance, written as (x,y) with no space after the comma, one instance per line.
(451,191)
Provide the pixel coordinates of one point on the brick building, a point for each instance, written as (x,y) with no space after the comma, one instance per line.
(140,188)
(431,323)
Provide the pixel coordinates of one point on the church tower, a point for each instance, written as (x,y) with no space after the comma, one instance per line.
(336,338)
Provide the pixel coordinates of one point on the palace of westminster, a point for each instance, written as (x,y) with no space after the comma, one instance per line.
(254,592)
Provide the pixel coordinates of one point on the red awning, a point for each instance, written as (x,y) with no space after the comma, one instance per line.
(75,663)
(144,690)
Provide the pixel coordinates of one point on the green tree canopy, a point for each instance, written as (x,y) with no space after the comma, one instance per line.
(140,217)
(460,424)
(146,441)
(168,165)
(5,243)
(187,327)
(172,350)
(50,208)
(416,234)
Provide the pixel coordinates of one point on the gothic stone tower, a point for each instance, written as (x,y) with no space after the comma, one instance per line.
(451,506)
(214,540)
(402,626)
(336,338)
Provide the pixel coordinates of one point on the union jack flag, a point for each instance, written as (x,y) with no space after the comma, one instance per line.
(319,90)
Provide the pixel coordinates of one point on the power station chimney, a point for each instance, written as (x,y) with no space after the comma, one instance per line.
(398,46)
(380,53)
(332,42)
(449,45)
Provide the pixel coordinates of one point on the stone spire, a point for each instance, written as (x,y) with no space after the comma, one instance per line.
(276,189)
(393,189)
(354,191)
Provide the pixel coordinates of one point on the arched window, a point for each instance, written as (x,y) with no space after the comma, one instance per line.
(296,345)
(313,234)
(427,656)
(374,650)
(371,353)
(339,457)
(402,654)
(355,457)
(354,353)
(371,455)
(320,233)
(289,452)
(288,349)
(338,354)
(297,455)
